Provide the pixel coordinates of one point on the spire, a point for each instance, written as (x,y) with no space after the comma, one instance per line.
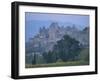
(54,25)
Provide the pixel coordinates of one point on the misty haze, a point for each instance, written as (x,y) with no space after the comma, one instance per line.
(53,40)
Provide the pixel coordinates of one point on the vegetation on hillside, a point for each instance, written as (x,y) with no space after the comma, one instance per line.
(66,52)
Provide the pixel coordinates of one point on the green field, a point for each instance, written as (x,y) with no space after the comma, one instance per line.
(58,64)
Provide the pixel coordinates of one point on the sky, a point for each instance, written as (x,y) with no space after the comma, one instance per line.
(35,21)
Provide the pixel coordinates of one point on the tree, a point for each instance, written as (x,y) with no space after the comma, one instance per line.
(49,57)
(34,59)
(67,48)
(84,54)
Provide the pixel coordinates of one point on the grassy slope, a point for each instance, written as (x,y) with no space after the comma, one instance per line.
(71,63)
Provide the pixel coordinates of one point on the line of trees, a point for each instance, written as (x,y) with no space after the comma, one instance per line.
(66,49)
